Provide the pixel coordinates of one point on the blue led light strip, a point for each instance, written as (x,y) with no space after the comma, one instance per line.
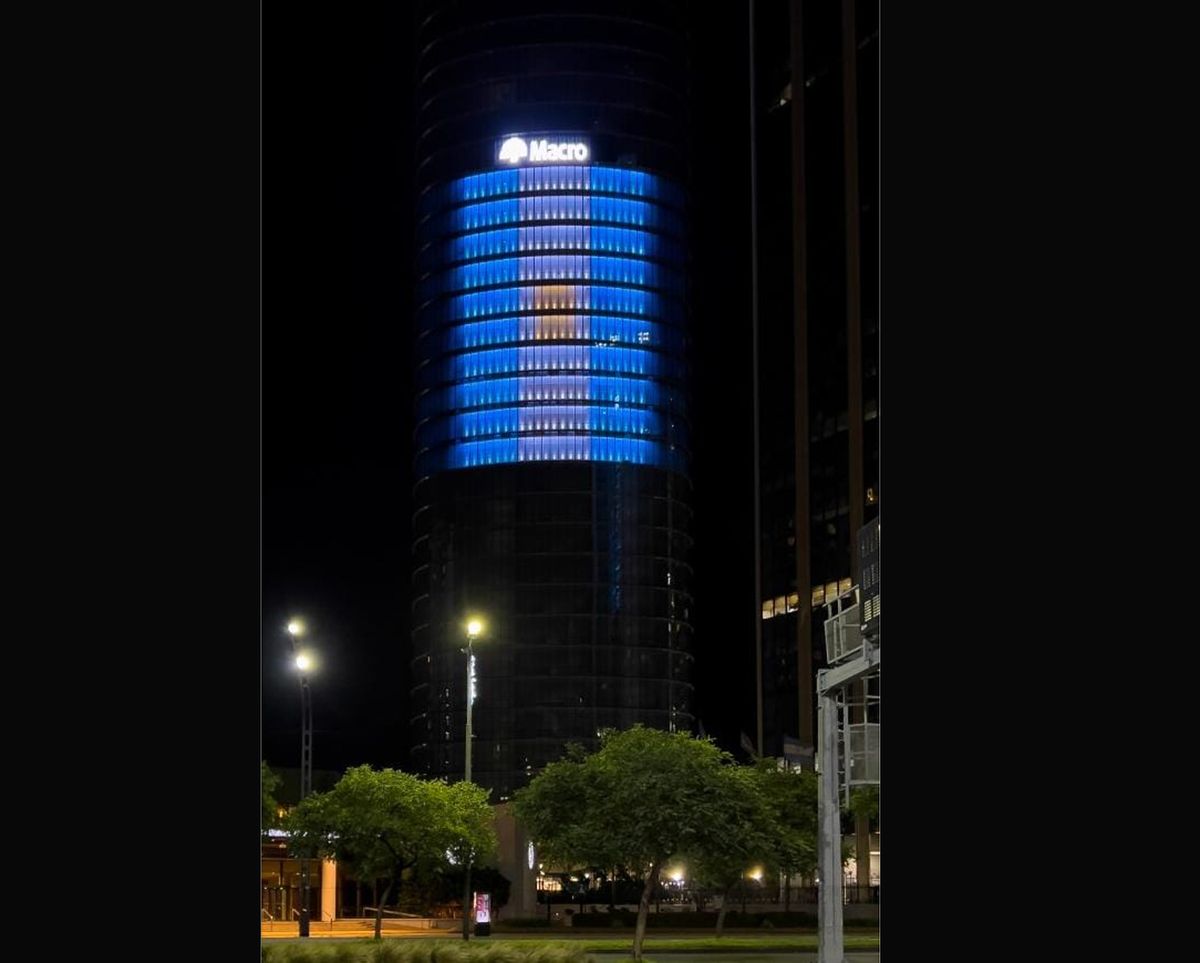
(556,297)
(554,267)
(554,357)
(560,237)
(561,327)
(555,418)
(561,207)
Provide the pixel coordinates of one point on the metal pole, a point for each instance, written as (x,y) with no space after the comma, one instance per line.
(305,738)
(470,700)
(305,787)
(466,928)
(830,947)
(305,777)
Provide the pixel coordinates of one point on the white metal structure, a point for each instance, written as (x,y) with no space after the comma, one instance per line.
(851,655)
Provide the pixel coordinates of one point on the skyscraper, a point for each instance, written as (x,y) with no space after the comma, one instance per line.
(552,466)
(815,114)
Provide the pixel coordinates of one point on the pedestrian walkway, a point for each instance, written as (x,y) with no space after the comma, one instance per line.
(358,928)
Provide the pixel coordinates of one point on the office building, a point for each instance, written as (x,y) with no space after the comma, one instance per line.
(552,466)
(815,118)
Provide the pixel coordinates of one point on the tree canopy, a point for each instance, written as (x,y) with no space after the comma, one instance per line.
(641,798)
(864,801)
(791,796)
(382,823)
(747,838)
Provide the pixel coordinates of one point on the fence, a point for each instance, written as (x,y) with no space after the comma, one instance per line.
(670,899)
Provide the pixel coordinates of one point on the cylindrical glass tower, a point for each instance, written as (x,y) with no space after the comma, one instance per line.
(552,432)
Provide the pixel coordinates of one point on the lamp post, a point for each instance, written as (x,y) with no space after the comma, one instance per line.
(474,627)
(303,664)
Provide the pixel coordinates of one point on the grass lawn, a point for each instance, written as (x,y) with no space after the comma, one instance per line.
(534,949)
(726,944)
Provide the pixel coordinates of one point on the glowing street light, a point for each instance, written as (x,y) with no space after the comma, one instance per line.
(474,628)
(303,662)
(755,873)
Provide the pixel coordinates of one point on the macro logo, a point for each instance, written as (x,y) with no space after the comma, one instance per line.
(514,150)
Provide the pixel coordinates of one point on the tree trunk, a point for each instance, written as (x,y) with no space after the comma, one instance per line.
(612,892)
(379,909)
(721,911)
(466,931)
(787,892)
(358,897)
(644,910)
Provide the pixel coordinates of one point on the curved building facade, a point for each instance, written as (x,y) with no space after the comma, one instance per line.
(553,493)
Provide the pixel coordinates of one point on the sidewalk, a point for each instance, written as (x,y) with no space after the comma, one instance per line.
(355,929)
(364,929)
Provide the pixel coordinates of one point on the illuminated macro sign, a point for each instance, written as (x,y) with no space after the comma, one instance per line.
(540,150)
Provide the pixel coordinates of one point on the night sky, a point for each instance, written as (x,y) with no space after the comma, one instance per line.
(337,387)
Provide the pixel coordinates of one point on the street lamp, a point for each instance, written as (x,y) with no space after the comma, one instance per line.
(474,628)
(303,663)
(755,874)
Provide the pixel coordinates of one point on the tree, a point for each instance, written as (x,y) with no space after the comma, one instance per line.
(722,860)
(791,796)
(864,801)
(270,808)
(382,824)
(864,806)
(465,844)
(777,828)
(642,798)
(443,885)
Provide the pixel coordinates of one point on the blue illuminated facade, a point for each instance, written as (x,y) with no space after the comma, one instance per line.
(552,319)
(552,489)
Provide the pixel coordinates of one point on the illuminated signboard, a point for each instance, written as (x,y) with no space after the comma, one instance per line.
(483,907)
(540,150)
